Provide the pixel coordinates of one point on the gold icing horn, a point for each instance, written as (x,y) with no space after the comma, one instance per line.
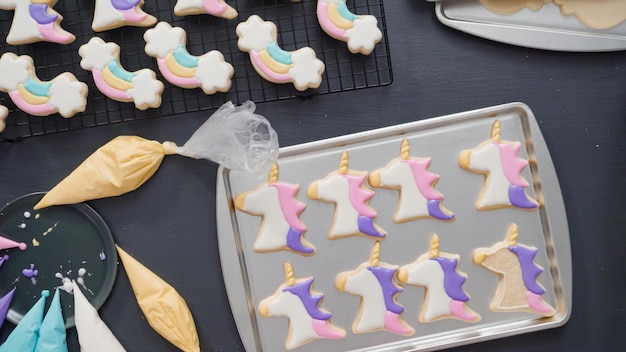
(434,246)
(375,255)
(512,236)
(405,149)
(343,163)
(273,173)
(289,275)
(495,131)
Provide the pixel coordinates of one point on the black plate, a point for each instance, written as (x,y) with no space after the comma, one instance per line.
(69,237)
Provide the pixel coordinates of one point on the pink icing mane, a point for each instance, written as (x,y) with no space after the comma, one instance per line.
(511,164)
(424,179)
(359,195)
(289,205)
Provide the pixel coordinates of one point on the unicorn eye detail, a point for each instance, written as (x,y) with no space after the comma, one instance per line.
(518,289)
(275,202)
(418,199)
(498,161)
(296,300)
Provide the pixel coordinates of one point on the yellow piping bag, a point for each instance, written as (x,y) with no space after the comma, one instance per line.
(165,310)
(233,136)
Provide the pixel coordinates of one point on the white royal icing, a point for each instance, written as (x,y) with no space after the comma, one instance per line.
(162,39)
(214,72)
(96,54)
(487,159)
(13,71)
(364,34)
(23,28)
(336,189)
(373,309)
(68,95)
(289,305)
(272,234)
(4,112)
(306,69)
(429,274)
(147,89)
(105,15)
(255,34)
(411,204)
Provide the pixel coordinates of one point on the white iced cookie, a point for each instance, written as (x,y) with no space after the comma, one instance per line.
(300,67)
(218,8)
(360,32)
(63,94)
(35,21)
(4,112)
(103,60)
(296,300)
(510,7)
(595,14)
(209,71)
(374,282)
(437,272)
(110,14)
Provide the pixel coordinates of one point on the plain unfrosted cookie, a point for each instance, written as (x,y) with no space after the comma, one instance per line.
(498,161)
(103,60)
(35,21)
(110,14)
(276,203)
(418,198)
(598,14)
(360,32)
(63,94)
(375,282)
(209,71)
(301,67)
(353,214)
(296,300)
(218,8)
(4,112)
(437,272)
(518,289)
(509,7)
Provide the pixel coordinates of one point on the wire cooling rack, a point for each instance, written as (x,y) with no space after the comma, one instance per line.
(297,27)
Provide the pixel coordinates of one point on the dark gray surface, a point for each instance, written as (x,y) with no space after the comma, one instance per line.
(169,223)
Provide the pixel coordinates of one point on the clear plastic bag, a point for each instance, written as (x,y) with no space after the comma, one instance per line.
(235,137)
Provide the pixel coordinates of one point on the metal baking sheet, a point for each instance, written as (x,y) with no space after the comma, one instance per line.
(251,276)
(546,28)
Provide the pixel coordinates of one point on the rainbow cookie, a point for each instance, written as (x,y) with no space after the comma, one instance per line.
(510,7)
(35,21)
(110,14)
(595,14)
(276,203)
(374,281)
(296,300)
(63,94)
(103,60)
(4,112)
(346,188)
(300,67)
(360,32)
(497,159)
(410,176)
(437,272)
(518,289)
(218,8)
(209,71)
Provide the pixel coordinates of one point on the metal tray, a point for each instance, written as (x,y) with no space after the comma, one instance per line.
(251,276)
(545,29)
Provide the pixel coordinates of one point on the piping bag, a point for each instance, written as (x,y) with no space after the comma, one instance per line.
(234,137)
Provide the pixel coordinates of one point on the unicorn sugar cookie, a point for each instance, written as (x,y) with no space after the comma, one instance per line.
(63,94)
(35,21)
(296,300)
(410,176)
(437,272)
(518,289)
(510,7)
(4,112)
(276,203)
(218,8)
(360,32)
(346,188)
(209,71)
(103,60)
(111,14)
(300,67)
(497,159)
(374,281)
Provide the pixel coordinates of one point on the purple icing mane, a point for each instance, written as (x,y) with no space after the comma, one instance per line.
(452,280)
(385,279)
(530,270)
(124,4)
(39,13)
(310,302)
